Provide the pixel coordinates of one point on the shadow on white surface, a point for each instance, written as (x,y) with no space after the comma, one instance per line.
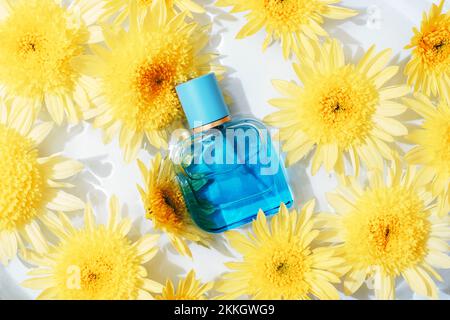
(300,183)
(9,290)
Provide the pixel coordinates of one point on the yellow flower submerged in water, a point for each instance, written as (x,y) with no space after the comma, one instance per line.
(433,147)
(30,184)
(97,262)
(40,40)
(188,288)
(120,9)
(138,73)
(289,21)
(340,109)
(165,206)
(279,260)
(428,70)
(387,230)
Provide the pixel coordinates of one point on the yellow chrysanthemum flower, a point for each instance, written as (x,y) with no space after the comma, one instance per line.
(120,9)
(188,289)
(30,185)
(40,40)
(138,73)
(429,67)
(386,230)
(165,206)
(97,262)
(340,109)
(433,147)
(290,21)
(279,261)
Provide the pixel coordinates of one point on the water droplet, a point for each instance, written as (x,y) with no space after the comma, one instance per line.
(373,10)
(373,23)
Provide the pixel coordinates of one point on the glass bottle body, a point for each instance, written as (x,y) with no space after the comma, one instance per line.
(228,173)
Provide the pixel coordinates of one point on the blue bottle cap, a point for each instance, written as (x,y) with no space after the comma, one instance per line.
(202,101)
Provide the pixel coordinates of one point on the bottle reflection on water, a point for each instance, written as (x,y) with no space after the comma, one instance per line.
(228,169)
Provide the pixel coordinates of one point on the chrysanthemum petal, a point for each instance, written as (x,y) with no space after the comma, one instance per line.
(8,246)
(391,126)
(146,243)
(317,160)
(253,26)
(421,105)
(35,236)
(384,286)
(40,132)
(340,203)
(421,283)
(63,201)
(391,108)
(324,290)
(438,259)
(180,245)
(385,75)
(144,295)
(152,286)
(54,105)
(63,168)
(47,294)
(334,12)
(353,281)
(378,62)
(394,92)
(330,153)
(299,153)
(239,241)
(39,283)
(89,219)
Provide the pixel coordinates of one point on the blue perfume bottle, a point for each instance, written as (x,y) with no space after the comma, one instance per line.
(227,168)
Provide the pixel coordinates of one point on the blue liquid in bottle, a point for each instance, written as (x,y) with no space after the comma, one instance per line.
(229,169)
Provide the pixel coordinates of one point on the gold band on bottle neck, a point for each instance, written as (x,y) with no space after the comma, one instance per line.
(212,124)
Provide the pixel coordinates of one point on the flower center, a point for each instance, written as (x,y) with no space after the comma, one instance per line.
(166,206)
(343,103)
(153,78)
(434,48)
(157,101)
(21,180)
(282,268)
(395,228)
(29,44)
(140,85)
(97,265)
(286,267)
(289,14)
(38,44)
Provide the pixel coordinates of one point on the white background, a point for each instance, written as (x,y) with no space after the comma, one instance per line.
(386,23)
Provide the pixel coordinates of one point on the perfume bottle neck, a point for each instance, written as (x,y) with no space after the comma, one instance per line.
(212,124)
